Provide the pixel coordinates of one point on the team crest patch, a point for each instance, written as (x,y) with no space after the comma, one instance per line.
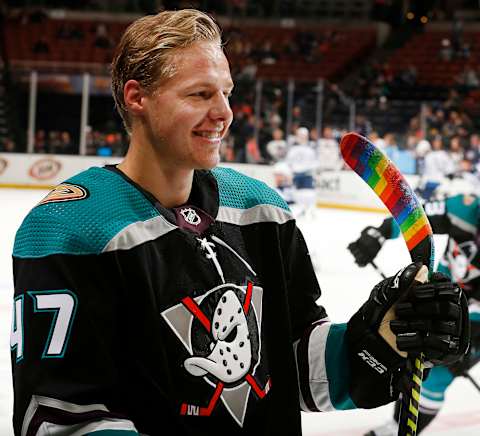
(468,200)
(221,331)
(65,192)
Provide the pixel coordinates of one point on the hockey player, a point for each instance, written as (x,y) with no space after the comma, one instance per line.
(302,159)
(458,217)
(164,295)
(283,182)
(437,164)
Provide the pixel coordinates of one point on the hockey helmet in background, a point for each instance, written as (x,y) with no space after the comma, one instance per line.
(422,148)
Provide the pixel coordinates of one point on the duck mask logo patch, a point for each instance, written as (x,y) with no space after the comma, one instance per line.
(221,331)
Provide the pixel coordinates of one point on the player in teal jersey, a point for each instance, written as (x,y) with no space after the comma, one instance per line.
(167,295)
(458,217)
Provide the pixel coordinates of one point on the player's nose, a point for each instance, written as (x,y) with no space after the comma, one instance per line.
(220,109)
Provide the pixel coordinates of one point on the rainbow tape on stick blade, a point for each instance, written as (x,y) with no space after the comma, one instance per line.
(392,188)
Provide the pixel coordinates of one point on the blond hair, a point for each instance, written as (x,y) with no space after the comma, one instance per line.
(145,49)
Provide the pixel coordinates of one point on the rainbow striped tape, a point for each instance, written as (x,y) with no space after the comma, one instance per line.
(392,188)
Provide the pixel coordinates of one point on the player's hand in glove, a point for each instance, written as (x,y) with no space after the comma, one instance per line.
(434,320)
(403,315)
(367,246)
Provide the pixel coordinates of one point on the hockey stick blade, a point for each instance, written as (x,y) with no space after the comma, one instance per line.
(393,190)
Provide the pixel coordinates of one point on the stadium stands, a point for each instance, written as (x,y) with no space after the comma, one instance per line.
(437,58)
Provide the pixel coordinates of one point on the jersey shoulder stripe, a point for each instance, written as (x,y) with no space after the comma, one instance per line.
(245,200)
(87,225)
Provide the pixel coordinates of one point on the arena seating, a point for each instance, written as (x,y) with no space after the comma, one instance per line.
(331,59)
(53,44)
(423,51)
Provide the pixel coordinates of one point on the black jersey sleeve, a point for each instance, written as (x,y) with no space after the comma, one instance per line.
(66,336)
(301,280)
(320,346)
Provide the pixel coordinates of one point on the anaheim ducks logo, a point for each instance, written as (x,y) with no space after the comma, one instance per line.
(221,331)
(65,192)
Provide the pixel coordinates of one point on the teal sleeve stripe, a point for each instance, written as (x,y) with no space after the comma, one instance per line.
(475,316)
(436,383)
(112,433)
(338,373)
(445,270)
(395,230)
(239,191)
(84,226)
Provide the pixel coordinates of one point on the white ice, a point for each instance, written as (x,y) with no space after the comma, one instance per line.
(345,287)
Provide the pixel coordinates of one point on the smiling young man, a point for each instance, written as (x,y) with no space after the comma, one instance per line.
(180,125)
(165,293)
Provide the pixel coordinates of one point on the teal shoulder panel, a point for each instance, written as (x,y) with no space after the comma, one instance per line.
(338,373)
(86,225)
(239,191)
(463,207)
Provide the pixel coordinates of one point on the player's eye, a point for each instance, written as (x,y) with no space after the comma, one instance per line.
(201,94)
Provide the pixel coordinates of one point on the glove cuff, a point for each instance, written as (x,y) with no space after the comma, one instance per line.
(373,365)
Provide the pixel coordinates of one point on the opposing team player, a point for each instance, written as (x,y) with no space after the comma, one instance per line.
(165,295)
(302,160)
(458,217)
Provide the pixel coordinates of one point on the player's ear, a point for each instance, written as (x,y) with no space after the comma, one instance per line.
(133,95)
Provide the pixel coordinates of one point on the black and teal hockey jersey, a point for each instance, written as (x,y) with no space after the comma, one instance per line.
(130,318)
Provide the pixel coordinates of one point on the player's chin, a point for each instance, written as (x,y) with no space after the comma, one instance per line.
(209,160)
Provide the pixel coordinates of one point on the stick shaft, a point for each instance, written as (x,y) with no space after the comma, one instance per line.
(393,190)
(379,271)
(467,375)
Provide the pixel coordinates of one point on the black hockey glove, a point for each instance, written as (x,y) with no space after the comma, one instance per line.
(434,320)
(375,351)
(367,246)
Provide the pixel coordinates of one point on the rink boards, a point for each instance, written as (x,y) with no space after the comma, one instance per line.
(336,189)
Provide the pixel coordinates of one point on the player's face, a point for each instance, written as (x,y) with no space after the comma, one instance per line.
(189,114)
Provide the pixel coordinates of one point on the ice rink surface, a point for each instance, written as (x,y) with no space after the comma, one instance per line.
(345,287)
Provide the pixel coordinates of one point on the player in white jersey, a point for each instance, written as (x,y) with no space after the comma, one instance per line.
(437,164)
(303,162)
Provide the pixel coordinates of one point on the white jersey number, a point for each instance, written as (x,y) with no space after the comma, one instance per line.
(16,336)
(435,208)
(63,305)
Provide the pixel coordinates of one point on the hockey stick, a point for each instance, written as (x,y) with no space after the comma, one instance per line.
(468,376)
(395,193)
(379,271)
